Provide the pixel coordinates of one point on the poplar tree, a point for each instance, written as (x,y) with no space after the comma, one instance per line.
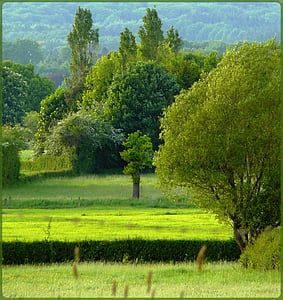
(173,40)
(128,47)
(151,34)
(83,41)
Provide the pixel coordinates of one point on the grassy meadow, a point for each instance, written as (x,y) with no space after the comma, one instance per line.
(168,281)
(106,212)
(47,208)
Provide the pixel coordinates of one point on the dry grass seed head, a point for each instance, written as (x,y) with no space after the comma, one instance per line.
(149,279)
(114,288)
(75,271)
(126,291)
(200,257)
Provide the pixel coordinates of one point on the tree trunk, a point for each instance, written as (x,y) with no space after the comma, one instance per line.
(136,190)
(241,235)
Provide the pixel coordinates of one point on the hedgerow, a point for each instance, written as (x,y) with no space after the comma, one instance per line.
(132,250)
(48,162)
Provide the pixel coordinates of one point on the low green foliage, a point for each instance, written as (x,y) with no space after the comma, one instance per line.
(264,253)
(95,280)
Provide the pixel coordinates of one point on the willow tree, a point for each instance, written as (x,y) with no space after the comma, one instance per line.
(222,140)
(83,41)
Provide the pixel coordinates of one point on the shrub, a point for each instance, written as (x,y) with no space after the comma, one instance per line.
(135,250)
(264,253)
(10,164)
(13,140)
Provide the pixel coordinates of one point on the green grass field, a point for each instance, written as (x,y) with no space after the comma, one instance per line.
(47,208)
(111,223)
(168,281)
(106,211)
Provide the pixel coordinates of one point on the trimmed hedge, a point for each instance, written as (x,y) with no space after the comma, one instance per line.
(135,250)
(47,162)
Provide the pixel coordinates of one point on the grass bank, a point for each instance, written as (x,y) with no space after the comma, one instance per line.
(168,281)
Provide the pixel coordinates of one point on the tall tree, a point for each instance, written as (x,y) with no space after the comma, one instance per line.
(83,41)
(151,34)
(222,140)
(128,47)
(138,154)
(14,95)
(98,81)
(37,87)
(53,109)
(173,40)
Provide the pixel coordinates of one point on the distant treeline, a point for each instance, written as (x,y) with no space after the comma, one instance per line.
(49,23)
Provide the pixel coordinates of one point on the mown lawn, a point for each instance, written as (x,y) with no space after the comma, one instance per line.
(227,280)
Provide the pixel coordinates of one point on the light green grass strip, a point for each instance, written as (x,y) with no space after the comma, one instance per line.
(168,281)
(110,224)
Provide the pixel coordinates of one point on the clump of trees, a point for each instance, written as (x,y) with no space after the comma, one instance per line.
(222,140)
(127,90)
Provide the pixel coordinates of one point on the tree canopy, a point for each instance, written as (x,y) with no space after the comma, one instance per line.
(222,140)
(137,97)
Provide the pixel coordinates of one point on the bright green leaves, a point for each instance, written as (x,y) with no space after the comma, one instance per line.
(138,153)
(222,137)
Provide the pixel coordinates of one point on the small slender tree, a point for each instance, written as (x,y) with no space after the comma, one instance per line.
(138,154)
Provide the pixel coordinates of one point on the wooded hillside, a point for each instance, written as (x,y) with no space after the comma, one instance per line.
(229,22)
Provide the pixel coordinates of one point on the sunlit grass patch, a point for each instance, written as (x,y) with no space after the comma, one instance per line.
(112,223)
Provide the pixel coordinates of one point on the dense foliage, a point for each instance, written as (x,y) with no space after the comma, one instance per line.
(136,98)
(222,138)
(13,140)
(23,90)
(137,250)
(46,163)
(89,142)
(265,253)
